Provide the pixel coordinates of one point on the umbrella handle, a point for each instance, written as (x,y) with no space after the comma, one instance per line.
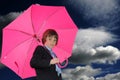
(63,66)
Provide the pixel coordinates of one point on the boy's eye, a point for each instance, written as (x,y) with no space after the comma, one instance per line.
(55,40)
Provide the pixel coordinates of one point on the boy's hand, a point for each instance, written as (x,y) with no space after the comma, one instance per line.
(54,61)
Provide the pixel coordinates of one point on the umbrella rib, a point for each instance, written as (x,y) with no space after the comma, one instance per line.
(26,56)
(65,27)
(32,21)
(44,22)
(17,45)
(20,31)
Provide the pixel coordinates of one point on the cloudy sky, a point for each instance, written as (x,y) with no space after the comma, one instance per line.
(96,50)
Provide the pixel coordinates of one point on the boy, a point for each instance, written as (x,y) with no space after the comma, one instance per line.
(44,60)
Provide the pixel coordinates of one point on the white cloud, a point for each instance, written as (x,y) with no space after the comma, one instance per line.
(80,73)
(92,37)
(115,76)
(87,73)
(88,47)
(6,19)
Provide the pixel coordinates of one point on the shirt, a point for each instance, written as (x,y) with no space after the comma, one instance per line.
(54,56)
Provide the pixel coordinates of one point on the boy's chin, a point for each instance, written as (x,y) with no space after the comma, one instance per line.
(51,47)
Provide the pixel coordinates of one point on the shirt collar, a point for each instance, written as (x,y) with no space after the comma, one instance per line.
(48,48)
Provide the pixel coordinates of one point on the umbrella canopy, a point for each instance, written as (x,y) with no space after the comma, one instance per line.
(21,37)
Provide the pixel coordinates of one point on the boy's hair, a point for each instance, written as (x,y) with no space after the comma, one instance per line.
(48,33)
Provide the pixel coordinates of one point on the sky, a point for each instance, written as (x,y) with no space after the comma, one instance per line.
(96,50)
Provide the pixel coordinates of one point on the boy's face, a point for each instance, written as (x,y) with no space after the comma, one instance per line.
(50,41)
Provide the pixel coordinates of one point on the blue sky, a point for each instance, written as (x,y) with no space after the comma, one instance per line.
(96,51)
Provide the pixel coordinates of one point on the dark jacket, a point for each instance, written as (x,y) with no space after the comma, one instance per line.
(41,62)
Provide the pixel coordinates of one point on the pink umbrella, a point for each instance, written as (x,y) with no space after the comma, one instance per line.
(21,37)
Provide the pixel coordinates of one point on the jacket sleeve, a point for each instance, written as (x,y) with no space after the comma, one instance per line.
(39,59)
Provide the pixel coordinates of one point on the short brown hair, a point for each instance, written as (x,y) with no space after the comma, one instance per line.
(49,32)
